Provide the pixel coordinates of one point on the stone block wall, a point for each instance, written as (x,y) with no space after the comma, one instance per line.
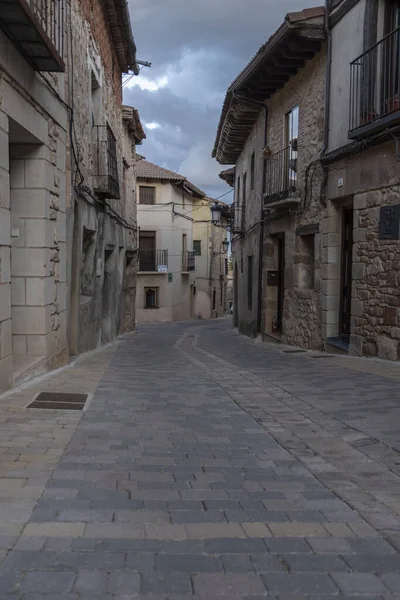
(301,324)
(376,279)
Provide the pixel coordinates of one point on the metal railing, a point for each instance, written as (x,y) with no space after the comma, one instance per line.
(188,261)
(153,260)
(375,82)
(50,15)
(105,164)
(281,175)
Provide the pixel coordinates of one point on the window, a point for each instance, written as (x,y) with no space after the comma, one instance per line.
(147,195)
(226,266)
(244,201)
(221,289)
(213,302)
(250,282)
(197,247)
(237,204)
(151,297)
(252,170)
(291,144)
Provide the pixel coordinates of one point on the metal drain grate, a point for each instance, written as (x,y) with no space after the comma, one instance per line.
(293,351)
(59,401)
(320,356)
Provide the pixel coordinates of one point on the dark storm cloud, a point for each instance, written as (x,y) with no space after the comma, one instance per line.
(197,48)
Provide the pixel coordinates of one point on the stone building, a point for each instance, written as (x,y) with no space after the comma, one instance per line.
(211,259)
(361,269)
(101,220)
(33,194)
(271,128)
(166,278)
(66,180)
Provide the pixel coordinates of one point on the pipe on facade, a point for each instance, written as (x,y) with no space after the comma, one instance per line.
(327,78)
(261,244)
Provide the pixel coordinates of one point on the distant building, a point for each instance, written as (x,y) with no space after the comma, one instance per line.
(166,277)
(211,260)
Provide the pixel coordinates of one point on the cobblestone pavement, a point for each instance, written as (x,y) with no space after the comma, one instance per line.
(206,467)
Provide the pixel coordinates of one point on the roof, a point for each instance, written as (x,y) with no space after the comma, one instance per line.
(298,39)
(228,176)
(150,171)
(117,12)
(131,116)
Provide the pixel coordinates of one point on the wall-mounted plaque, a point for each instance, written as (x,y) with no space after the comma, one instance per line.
(389,222)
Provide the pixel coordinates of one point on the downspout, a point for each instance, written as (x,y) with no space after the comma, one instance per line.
(326,100)
(261,244)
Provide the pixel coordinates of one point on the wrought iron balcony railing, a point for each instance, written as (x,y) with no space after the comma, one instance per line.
(188,261)
(154,261)
(375,87)
(281,175)
(106,180)
(37,29)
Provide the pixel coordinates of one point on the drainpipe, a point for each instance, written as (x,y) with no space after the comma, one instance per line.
(326,99)
(261,244)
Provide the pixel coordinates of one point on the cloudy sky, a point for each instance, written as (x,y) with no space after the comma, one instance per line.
(197,47)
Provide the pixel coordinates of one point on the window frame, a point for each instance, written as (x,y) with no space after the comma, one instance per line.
(156,290)
(147,187)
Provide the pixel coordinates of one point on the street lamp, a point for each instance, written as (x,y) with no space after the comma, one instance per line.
(216,210)
(225,246)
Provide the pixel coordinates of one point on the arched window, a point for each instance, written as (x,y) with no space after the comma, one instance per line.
(151,297)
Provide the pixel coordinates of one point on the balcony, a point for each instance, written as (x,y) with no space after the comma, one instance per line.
(36,28)
(281,178)
(106,181)
(375,88)
(153,261)
(188,262)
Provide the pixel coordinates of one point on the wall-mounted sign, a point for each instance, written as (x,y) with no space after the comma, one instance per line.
(162,269)
(272,277)
(169,277)
(389,222)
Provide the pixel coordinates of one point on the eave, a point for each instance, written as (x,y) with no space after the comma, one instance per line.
(298,40)
(117,12)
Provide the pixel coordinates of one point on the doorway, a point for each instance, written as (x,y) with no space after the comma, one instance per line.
(346,274)
(280,282)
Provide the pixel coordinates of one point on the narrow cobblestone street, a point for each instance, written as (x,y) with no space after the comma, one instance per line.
(205,466)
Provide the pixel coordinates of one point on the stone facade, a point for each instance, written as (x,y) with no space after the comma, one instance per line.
(211,275)
(103,229)
(33,190)
(63,250)
(301,318)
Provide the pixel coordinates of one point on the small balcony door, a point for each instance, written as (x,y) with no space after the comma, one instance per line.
(346,274)
(291,142)
(390,81)
(147,250)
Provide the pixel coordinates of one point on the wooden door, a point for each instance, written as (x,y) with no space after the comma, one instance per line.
(346,273)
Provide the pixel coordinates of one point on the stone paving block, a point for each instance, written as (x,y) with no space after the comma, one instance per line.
(374,563)
(359,583)
(234,546)
(297,529)
(167,583)
(93,582)
(124,582)
(236,563)
(140,561)
(299,583)
(324,563)
(54,530)
(208,516)
(256,530)
(166,531)
(332,544)
(215,530)
(228,584)
(141,516)
(114,530)
(48,582)
(189,563)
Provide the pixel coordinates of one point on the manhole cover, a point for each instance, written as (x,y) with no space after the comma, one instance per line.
(59,401)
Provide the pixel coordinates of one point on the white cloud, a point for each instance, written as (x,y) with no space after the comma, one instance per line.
(152,125)
(145,83)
